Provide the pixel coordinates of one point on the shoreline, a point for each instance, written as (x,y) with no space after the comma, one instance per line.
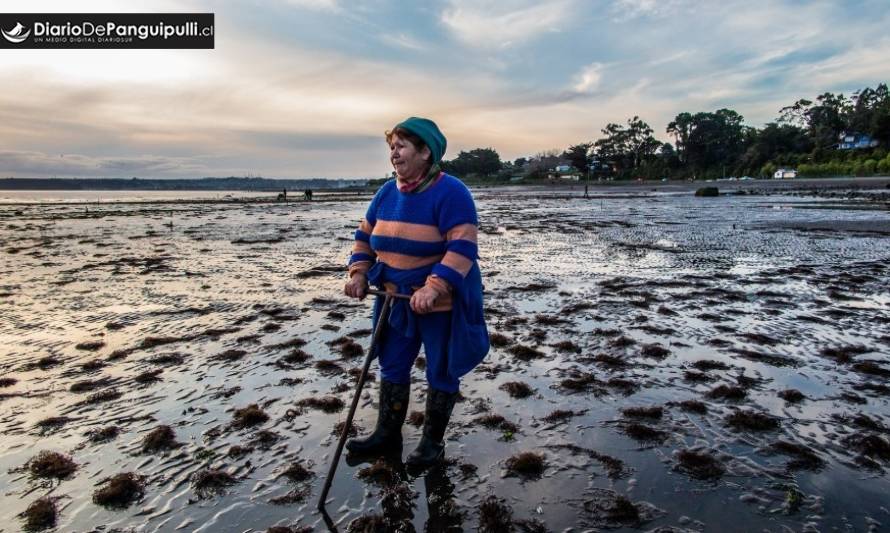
(597,190)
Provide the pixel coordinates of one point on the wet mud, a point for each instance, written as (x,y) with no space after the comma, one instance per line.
(659,362)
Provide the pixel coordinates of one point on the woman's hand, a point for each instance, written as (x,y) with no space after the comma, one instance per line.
(357,286)
(423,299)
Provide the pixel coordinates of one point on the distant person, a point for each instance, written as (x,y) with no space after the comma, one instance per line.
(419,236)
(307,195)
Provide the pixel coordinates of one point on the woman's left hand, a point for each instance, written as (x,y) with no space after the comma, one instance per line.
(423,299)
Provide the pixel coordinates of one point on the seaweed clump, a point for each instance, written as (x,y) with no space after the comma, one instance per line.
(527,465)
(210,481)
(249,416)
(803,458)
(48,464)
(752,420)
(52,423)
(296,472)
(699,465)
(372,523)
(159,439)
(40,514)
(496,421)
(120,490)
(693,406)
(654,412)
(380,473)
(869,446)
(100,435)
(610,510)
(728,392)
(643,433)
(655,351)
(517,389)
(290,529)
(495,515)
(416,418)
(559,415)
(7,382)
(499,340)
(792,395)
(328,404)
(525,353)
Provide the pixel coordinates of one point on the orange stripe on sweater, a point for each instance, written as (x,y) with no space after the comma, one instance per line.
(365,226)
(458,262)
(466,232)
(405,262)
(361,247)
(408,230)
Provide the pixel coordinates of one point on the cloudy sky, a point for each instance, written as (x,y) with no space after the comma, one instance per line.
(305,88)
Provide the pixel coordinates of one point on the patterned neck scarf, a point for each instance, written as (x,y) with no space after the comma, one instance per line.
(421,184)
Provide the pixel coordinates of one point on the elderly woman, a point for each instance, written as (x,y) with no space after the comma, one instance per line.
(418,237)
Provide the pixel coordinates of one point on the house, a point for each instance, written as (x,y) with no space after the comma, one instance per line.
(562,168)
(784,173)
(855,141)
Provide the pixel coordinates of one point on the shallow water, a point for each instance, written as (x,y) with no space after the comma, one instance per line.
(176,288)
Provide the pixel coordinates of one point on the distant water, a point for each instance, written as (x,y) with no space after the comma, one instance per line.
(37,197)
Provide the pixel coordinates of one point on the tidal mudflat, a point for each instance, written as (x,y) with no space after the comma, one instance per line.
(658,361)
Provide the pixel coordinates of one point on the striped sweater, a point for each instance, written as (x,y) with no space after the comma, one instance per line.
(435,227)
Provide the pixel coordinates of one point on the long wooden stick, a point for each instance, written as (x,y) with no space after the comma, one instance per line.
(372,353)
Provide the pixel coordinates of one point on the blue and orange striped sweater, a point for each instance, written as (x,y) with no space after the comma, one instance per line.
(435,227)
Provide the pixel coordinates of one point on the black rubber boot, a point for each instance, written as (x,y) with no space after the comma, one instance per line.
(439,405)
(391,411)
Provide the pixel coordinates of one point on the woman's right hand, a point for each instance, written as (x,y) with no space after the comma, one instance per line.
(357,286)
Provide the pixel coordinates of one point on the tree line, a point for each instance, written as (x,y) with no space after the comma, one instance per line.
(829,136)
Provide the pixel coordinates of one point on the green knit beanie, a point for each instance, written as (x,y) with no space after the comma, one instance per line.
(429,133)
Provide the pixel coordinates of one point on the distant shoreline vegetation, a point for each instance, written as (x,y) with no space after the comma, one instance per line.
(157,184)
(830,136)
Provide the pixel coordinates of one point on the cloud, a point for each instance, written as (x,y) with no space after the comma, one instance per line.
(501,24)
(40,164)
(315,5)
(588,79)
(628,9)
(295,92)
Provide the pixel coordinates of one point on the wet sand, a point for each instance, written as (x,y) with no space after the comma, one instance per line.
(659,360)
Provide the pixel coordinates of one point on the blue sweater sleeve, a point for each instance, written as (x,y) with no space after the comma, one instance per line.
(363,257)
(458,222)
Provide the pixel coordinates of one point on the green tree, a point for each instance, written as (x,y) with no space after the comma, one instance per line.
(478,161)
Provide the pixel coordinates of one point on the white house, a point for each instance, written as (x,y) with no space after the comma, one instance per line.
(784,173)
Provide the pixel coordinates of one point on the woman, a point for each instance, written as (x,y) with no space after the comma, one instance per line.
(418,237)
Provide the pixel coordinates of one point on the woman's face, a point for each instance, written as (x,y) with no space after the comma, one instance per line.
(408,162)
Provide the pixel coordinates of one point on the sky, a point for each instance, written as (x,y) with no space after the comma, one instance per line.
(307,88)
